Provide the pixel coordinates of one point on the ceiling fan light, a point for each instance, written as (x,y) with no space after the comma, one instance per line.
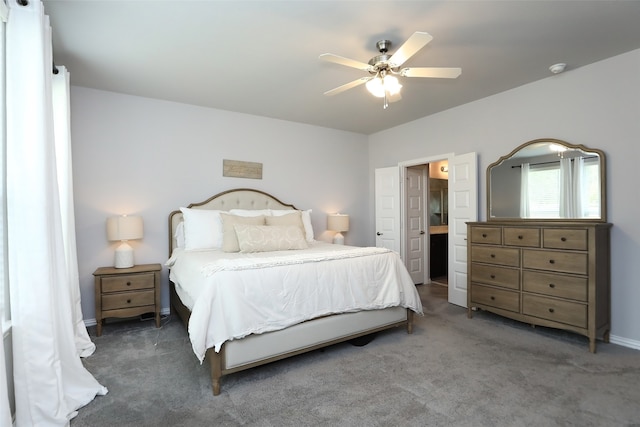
(376,87)
(379,85)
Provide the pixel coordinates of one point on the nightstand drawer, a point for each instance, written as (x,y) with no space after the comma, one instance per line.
(570,313)
(128,299)
(127,283)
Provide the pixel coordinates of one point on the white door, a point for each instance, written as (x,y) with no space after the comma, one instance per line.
(387,200)
(415,223)
(463,207)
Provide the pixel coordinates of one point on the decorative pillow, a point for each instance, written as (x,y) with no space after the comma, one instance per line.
(265,238)
(306,220)
(202,228)
(229,239)
(294,219)
(249,212)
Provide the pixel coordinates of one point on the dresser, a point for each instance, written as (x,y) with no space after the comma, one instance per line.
(127,292)
(547,273)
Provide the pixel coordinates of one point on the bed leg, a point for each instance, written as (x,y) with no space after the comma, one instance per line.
(215,362)
(409,321)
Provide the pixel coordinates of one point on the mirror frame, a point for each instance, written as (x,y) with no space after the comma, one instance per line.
(603,183)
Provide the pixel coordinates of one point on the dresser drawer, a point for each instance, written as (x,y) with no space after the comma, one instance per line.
(495,255)
(494,297)
(561,238)
(493,275)
(529,237)
(488,235)
(565,262)
(128,299)
(555,285)
(570,313)
(127,283)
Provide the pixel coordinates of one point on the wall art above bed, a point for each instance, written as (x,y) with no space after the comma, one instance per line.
(240,169)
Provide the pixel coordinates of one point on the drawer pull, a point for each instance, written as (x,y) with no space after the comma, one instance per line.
(493,298)
(520,237)
(493,255)
(128,301)
(551,261)
(493,276)
(128,283)
(484,234)
(564,239)
(551,310)
(551,285)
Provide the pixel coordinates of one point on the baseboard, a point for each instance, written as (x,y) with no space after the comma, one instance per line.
(92,322)
(625,342)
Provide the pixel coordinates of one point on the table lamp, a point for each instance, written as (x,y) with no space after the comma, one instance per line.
(123,228)
(338,223)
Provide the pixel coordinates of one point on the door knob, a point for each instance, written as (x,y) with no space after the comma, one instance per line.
(379,233)
(421,231)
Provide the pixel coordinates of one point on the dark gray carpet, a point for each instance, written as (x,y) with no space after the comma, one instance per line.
(485,371)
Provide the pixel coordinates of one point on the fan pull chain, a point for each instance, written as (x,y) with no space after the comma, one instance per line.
(386,104)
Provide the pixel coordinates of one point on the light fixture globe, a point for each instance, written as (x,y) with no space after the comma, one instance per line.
(379,85)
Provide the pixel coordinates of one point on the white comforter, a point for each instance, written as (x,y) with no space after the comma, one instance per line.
(232,295)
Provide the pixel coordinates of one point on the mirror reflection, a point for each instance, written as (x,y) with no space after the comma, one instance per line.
(547,179)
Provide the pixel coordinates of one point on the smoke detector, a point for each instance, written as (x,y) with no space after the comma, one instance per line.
(557,68)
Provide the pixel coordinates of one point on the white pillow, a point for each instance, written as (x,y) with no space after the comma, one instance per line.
(179,235)
(250,212)
(202,229)
(230,240)
(265,238)
(306,221)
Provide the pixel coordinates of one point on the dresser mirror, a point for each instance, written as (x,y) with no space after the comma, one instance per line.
(548,179)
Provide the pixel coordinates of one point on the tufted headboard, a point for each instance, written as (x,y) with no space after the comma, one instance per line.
(241,198)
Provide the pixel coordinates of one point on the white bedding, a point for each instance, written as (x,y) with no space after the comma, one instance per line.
(232,295)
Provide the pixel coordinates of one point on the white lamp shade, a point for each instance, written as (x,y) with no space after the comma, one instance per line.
(379,85)
(124,227)
(338,222)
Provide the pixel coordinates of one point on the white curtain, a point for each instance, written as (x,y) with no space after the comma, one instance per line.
(50,381)
(567,201)
(524,191)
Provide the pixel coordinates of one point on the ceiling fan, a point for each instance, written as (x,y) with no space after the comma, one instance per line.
(383,68)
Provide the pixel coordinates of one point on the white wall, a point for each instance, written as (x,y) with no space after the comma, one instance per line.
(142,156)
(597,106)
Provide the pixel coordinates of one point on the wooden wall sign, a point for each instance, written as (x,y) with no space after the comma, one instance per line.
(240,169)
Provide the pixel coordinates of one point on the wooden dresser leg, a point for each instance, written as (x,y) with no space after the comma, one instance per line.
(592,345)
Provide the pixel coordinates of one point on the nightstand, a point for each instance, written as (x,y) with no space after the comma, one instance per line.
(127,292)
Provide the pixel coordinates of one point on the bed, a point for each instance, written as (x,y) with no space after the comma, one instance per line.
(249,300)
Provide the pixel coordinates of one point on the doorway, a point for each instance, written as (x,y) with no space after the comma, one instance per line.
(426,222)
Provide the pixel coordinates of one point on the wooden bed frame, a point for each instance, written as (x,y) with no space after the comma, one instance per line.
(255,350)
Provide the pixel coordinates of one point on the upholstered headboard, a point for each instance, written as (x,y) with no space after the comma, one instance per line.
(241,198)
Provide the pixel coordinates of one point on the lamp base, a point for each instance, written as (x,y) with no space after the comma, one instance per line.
(338,239)
(124,256)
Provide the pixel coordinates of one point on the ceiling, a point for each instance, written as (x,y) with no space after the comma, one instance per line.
(261,57)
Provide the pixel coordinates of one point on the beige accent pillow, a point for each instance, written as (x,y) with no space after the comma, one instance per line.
(294,219)
(229,238)
(265,238)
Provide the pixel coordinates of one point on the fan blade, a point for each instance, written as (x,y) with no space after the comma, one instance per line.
(417,41)
(349,85)
(345,61)
(437,72)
